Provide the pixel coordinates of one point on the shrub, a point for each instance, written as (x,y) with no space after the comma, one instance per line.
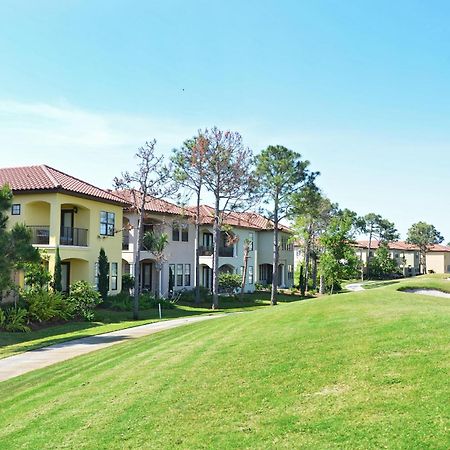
(127,282)
(43,305)
(15,319)
(188,295)
(119,302)
(229,282)
(83,298)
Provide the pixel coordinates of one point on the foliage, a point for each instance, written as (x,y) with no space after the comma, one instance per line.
(57,276)
(281,172)
(15,244)
(36,275)
(43,305)
(172,281)
(382,265)
(189,167)
(229,282)
(83,298)
(189,295)
(423,235)
(152,177)
(15,319)
(338,260)
(229,177)
(127,282)
(103,274)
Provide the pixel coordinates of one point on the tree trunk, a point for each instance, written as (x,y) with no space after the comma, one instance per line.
(321,284)
(368,254)
(301,284)
(244,273)
(307,258)
(137,265)
(197,253)
(216,242)
(276,256)
(314,271)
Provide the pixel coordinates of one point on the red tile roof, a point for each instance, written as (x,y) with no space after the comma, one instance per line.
(237,219)
(46,179)
(402,246)
(152,204)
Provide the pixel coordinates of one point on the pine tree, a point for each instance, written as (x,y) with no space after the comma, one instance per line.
(57,274)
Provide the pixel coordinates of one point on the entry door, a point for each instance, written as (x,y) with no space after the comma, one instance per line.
(146,276)
(67,227)
(207,277)
(65,276)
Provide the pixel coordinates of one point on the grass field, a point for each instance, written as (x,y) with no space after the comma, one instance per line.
(106,321)
(361,370)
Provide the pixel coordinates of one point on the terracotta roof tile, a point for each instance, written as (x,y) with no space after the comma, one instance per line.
(152,204)
(401,245)
(237,219)
(45,178)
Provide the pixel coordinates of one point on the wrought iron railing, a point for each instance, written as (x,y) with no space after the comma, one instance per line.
(40,234)
(73,236)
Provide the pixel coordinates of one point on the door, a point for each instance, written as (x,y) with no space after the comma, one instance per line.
(67,227)
(207,277)
(146,276)
(65,276)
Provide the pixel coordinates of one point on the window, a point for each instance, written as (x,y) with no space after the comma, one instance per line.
(96,275)
(184,232)
(250,274)
(179,274)
(241,270)
(172,275)
(114,269)
(250,238)
(175,231)
(15,209)
(207,239)
(285,244)
(107,223)
(187,274)
(290,272)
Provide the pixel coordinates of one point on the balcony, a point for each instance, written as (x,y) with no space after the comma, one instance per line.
(226,252)
(73,236)
(40,234)
(205,250)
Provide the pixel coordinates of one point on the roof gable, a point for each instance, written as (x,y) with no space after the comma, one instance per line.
(47,179)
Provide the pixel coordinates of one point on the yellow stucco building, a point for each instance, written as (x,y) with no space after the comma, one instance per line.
(65,212)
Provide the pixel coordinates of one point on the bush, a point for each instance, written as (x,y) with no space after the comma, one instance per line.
(229,282)
(83,298)
(127,282)
(119,302)
(43,305)
(188,295)
(15,319)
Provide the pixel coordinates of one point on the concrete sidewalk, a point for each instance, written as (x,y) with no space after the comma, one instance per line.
(16,365)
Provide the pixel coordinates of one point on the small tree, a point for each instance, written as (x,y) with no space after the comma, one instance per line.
(246,257)
(338,260)
(424,236)
(156,243)
(57,276)
(229,282)
(280,173)
(382,264)
(152,178)
(103,274)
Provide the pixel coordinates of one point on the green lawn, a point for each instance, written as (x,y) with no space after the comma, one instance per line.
(106,321)
(354,371)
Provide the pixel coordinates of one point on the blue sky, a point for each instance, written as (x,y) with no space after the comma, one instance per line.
(361,89)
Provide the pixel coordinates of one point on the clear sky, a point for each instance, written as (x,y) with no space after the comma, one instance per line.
(360,88)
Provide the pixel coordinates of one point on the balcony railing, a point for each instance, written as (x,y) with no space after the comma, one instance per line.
(226,251)
(73,236)
(205,250)
(40,234)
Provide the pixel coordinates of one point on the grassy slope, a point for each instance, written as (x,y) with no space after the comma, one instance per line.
(360,370)
(106,321)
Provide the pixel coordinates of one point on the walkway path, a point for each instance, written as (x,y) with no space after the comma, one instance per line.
(16,365)
(355,287)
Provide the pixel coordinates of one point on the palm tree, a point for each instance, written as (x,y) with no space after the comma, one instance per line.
(156,243)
